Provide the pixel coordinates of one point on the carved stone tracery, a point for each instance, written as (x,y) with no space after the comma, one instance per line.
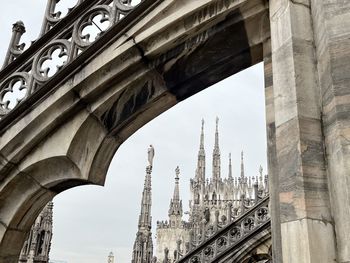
(73,39)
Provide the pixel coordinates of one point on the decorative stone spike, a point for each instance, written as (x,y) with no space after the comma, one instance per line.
(15,48)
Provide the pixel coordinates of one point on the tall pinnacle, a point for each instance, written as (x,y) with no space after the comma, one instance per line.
(145,220)
(242,165)
(216,154)
(230,168)
(200,172)
(176,196)
(143,245)
(201,145)
(217,134)
(175,209)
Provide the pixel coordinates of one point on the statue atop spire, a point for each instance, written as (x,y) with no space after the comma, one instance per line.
(150,155)
(176,190)
(177,172)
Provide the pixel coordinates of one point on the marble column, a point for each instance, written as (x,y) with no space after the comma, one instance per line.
(331,20)
(271,153)
(307,232)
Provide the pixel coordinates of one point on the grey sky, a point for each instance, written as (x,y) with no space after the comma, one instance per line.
(91,221)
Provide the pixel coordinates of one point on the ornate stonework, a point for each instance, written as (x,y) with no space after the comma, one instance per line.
(214,202)
(36,248)
(143,246)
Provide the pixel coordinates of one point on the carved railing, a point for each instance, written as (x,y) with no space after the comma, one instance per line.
(255,219)
(63,42)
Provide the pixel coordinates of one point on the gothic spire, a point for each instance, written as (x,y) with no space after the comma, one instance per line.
(176,196)
(200,172)
(143,246)
(175,209)
(216,154)
(145,220)
(230,177)
(201,146)
(242,166)
(216,147)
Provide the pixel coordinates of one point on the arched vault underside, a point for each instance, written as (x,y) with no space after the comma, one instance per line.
(69,134)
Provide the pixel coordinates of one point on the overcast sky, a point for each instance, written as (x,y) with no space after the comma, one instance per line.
(91,221)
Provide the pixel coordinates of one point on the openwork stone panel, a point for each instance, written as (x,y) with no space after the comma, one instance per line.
(73,38)
(230,235)
(13,90)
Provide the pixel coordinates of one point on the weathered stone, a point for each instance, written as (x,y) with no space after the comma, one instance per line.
(303,188)
(170,51)
(331,22)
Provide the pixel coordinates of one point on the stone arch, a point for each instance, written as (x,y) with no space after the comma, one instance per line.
(50,169)
(112,96)
(25,194)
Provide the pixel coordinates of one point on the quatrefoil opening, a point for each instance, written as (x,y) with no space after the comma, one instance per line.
(12,93)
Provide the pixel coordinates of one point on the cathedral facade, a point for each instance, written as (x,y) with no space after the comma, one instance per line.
(214,202)
(36,248)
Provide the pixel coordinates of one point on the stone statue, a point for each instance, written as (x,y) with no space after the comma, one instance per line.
(166,255)
(207,214)
(150,155)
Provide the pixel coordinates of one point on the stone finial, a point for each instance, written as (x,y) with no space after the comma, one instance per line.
(19,27)
(50,17)
(15,48)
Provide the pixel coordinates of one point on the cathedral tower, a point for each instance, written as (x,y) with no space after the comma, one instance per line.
(172,235)
(143,246)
